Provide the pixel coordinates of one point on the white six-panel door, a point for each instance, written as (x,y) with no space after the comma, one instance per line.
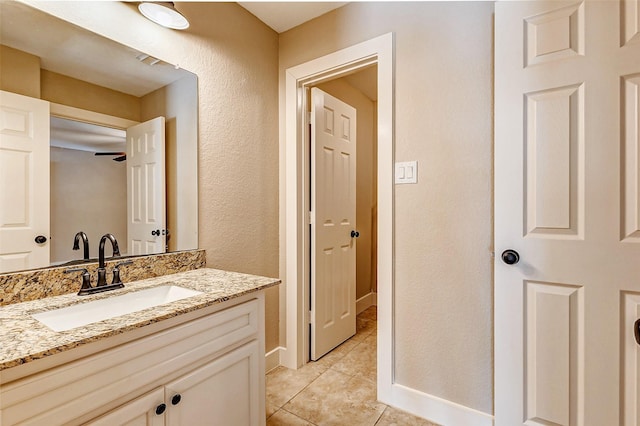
(146,195)
(567,199)
(24,182)
(333,203)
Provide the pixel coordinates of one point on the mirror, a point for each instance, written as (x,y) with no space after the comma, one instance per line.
(91,80)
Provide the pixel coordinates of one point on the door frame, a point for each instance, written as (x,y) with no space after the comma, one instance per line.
(91,117)
(294,184)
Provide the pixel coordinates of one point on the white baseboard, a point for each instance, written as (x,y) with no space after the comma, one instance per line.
(434,409)
(272,359)
(366,301)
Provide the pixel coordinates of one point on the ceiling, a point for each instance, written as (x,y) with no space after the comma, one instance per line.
(282,16)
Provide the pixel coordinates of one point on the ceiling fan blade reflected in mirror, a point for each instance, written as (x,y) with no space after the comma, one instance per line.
(121,155)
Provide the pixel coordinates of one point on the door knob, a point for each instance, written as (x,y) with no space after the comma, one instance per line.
(636,330)
(161,409)
(155,233)
(355,234)
(41,239)
(510,257)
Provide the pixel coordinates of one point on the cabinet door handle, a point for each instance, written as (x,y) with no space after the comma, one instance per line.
(175,399)
(160,409)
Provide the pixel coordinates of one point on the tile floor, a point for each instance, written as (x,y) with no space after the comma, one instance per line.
(339,389)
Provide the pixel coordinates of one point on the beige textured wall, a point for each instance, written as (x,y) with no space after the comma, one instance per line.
(443,224)
(89,194)
(20,72)
(236,59)
(66,90)
(366,147)
(178,103)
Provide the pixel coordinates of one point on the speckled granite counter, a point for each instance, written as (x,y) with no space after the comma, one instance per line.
(16,287)
(24,339)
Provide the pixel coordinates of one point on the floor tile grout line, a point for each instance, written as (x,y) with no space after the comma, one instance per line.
(301,390)
(300,417)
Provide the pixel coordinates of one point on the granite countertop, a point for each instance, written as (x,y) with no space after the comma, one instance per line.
(24,339)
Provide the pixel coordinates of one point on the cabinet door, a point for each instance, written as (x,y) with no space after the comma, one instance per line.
(224,392)
(139,412)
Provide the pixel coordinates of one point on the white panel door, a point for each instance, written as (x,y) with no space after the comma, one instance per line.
(333,205)
(24,182)
(567,199)
(146,195)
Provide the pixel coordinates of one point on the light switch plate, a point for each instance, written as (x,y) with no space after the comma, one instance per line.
(407,172)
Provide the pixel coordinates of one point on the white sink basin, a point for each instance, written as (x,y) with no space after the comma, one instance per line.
(86,313)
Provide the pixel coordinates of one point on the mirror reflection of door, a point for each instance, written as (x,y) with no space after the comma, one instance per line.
(146,197)
(89,188)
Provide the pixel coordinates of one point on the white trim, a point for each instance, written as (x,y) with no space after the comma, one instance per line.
(78,114)
(366,301)
(378,50)
(272,359)
(437,410)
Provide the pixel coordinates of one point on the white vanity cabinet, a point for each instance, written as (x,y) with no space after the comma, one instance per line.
(206,370)
(218,393)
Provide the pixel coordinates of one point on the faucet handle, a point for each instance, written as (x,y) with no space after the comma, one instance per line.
(116,271)
(86,279)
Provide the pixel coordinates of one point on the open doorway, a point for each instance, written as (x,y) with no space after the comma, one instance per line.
(348,283)
(77,166)
(295,215)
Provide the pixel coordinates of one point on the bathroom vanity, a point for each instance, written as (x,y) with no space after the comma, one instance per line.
(194,361)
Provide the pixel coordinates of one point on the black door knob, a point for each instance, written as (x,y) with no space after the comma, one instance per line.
(161,409)
(156,233)
(175,399)
(41,239)
(355,234)
(636,330)
(510,257)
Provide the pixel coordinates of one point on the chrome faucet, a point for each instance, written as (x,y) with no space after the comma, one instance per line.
(85,243)
(102,272)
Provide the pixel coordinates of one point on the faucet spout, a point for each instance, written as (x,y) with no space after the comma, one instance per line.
(102,272)
(85,243)
(114,244)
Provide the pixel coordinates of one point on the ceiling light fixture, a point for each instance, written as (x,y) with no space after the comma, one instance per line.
(164,13)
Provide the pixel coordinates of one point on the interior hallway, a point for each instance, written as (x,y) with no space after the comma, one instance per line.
(338,389)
